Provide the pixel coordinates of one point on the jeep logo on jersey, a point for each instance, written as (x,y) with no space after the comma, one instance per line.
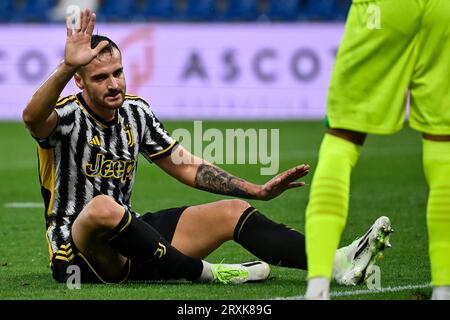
(121,169)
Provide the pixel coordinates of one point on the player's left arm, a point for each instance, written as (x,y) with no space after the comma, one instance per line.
(203,175)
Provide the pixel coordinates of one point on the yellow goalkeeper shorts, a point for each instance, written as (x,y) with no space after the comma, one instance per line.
(390,48)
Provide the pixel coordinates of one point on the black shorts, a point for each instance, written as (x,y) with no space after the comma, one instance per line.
(164,221)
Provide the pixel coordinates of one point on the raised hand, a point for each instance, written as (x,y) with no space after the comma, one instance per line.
(282,182)
(78,51)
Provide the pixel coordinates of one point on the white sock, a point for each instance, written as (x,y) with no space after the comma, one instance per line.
(207,274)
(318,289)
(441,293)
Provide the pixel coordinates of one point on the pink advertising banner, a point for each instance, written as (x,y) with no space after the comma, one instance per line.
(190,71)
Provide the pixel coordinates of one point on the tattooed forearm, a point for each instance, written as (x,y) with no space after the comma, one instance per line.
(213,179)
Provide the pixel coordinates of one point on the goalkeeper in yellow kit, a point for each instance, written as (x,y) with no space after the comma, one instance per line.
(390,47)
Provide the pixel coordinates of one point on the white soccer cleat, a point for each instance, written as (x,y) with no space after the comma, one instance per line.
(352,263)
(240,273)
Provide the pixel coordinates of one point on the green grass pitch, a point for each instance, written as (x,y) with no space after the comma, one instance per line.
(387,180)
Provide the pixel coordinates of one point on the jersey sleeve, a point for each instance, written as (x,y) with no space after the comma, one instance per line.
(64,108)
(157,142)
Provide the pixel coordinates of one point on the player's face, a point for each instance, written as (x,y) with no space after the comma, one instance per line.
(104,81)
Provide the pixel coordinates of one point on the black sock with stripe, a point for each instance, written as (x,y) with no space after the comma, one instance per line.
(271,242)
(139,241)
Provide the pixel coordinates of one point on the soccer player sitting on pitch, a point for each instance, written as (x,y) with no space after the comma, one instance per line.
(88,151)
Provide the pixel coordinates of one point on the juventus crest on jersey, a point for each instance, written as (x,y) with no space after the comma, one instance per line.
(86,156)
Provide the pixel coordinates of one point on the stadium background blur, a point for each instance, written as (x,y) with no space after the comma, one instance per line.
(252,64)
(182,10)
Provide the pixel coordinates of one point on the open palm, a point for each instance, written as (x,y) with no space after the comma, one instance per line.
(78,51)
(283,181)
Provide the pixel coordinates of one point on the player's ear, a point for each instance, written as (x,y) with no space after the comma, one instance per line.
(79,81)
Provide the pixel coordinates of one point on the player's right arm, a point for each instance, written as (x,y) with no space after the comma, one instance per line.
(39,115)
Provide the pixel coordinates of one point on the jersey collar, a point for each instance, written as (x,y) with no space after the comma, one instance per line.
(94,116)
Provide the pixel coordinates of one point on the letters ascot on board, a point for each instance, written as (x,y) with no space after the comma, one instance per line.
(191,71)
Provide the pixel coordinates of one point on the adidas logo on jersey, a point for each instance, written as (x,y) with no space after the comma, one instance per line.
(95,141)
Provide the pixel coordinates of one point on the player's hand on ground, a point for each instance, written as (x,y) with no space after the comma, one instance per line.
(78,51)
(283,181)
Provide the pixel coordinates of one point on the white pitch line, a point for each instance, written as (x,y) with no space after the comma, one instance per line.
(364,292)
(22,205)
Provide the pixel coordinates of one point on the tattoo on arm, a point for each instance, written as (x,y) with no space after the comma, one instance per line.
(216,180)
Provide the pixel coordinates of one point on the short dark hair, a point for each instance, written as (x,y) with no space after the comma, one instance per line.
(96,39)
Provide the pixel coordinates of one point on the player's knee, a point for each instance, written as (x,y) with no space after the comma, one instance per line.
(349,135)
(234,209)
(103,211)
(439,138)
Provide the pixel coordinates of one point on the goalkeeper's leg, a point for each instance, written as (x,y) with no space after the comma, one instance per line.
(327,209)
(436,162)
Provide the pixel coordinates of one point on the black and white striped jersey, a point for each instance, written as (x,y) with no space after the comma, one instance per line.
(86,156)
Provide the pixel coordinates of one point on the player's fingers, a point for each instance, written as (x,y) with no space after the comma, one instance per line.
(100,47)
(304,171)
(289,176)
(78,22)
(297,172)
(295,185)
(303,167)
(69,26)
(84,20)
(91,24)
(284,178)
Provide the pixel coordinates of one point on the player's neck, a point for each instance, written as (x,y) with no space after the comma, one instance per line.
(106,114)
